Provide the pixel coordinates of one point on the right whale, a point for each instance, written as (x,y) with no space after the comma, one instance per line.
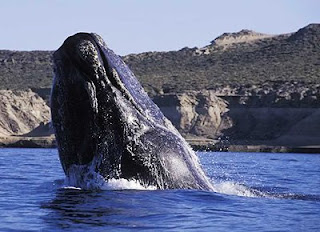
(105,122)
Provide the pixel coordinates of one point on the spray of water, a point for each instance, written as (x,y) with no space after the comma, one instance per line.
(85,178)
(80,177)
(233,188)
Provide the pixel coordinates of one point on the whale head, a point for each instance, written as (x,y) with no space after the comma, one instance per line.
(103,119)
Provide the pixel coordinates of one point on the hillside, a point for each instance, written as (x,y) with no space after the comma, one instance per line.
(233,59)
(241,58)
(21,70)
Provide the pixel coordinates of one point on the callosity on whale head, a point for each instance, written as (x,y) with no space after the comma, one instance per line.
(104,120)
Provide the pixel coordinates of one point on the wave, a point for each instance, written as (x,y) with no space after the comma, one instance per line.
(232,188)
(237,189)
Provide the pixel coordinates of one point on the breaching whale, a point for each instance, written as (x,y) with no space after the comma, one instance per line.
(105,122)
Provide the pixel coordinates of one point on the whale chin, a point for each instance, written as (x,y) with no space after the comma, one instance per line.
(104,121)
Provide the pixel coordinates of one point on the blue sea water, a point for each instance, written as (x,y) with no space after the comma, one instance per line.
(254,192)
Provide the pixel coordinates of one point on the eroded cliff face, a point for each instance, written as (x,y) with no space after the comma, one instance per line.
(275,113)
(285,114)
(195,114)
(21,112)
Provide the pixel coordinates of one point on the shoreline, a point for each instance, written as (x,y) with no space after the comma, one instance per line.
(198,145)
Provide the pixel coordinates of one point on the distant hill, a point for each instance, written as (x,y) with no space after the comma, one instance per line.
(242,58)
(21,69)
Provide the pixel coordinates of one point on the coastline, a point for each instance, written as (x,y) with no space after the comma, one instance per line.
(198,145)
(27,142)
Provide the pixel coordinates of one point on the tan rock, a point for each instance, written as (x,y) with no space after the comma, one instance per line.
(194,113)
(21,111)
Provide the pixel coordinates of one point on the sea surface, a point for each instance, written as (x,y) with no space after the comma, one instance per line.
(254,192)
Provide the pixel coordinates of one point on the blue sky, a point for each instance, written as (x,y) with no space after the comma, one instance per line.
(133,26)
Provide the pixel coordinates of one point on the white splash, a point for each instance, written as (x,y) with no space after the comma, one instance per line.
(232,188)
(83,178)
(111,184)
(124,184)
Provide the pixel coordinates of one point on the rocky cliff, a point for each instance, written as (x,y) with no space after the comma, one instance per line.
(202,117)
(21,112)
(195,114)
(287,116)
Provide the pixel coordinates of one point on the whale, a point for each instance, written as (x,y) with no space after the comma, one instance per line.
(105,123)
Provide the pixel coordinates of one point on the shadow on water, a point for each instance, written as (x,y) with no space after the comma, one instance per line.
(72,206)
(127,209)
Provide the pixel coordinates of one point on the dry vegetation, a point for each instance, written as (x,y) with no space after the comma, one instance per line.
(291,57)
(235,59)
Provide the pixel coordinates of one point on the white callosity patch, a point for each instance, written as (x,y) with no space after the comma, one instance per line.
(89,53)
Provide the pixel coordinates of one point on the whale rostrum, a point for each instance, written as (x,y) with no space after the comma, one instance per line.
(104,121)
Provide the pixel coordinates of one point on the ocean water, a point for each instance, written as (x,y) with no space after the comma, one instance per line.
(253,192)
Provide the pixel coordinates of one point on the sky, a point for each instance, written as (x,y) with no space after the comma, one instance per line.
(134,26)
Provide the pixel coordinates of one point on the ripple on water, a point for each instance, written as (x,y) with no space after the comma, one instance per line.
(252,194)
